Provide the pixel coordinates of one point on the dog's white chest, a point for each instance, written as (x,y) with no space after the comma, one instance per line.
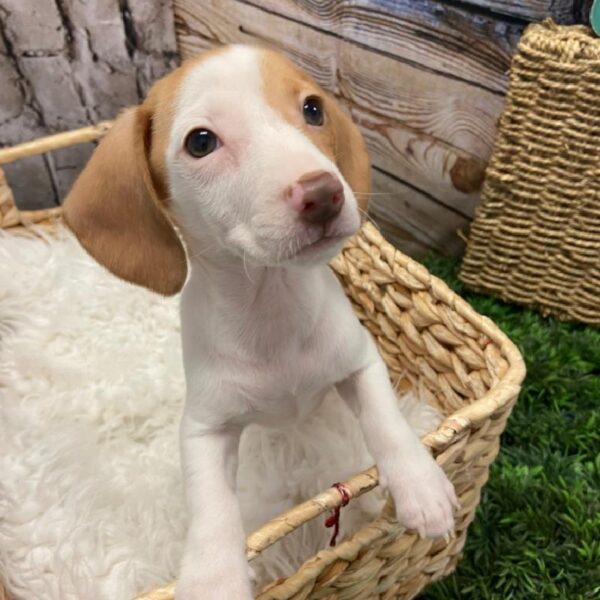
(288,389)
(287,384)
(274,362)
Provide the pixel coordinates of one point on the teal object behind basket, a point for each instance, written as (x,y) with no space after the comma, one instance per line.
(595,17)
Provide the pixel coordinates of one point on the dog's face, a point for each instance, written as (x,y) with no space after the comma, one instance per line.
(243,151)
(251,159)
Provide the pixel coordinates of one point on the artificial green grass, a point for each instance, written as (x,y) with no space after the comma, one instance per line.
(537,531)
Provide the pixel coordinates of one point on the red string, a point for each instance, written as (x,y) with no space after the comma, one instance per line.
(334,519)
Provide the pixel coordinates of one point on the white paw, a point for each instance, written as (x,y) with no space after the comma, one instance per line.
(424,497)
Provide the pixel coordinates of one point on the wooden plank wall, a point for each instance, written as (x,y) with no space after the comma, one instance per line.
(425,80)
(563,11)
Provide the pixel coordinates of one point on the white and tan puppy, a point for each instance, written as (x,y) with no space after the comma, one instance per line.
(263,176)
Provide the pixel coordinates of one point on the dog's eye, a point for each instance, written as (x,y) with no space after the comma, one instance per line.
(200,142)
(313,111)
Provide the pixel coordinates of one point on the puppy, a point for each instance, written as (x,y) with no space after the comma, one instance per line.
(236,181)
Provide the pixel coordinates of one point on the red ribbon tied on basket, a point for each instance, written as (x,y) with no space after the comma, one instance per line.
(333,520)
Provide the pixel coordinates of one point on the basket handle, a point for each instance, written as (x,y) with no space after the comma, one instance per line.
(286,522)
(54,142)
(10,215)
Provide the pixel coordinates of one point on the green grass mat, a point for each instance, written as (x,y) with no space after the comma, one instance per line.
(537,531)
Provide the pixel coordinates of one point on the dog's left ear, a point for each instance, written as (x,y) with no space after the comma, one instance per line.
(116,211)
(351,153)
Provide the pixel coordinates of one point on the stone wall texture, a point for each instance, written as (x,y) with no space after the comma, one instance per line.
(68,63)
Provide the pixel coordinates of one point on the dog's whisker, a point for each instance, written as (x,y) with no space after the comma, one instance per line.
(246,267)
(369,194)
(369,218)
(202,253)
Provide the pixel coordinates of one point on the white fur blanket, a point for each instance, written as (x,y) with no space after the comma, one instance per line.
(91,389)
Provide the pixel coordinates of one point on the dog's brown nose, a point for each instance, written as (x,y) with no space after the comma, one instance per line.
(318,197)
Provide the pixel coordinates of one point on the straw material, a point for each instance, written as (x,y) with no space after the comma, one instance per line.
(9,215)
(536,236)
(456,359)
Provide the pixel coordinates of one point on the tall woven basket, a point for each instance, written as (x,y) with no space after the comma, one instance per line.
(431,339)
(536,236)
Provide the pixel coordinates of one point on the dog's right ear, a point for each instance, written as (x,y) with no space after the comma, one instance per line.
(351,153)
(115,212)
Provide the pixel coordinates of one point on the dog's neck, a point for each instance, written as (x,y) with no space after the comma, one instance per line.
(256,304)
(246,283)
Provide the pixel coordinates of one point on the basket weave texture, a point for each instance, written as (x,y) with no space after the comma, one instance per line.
(536,235)
(431,340)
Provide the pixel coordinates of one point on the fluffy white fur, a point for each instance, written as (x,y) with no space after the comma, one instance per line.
(91,391)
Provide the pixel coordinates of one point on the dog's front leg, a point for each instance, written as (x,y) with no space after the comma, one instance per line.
(214,565)
(423,495)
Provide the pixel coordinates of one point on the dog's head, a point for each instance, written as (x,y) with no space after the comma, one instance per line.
(239,148)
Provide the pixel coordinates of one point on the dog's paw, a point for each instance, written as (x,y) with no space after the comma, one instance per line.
(424,497)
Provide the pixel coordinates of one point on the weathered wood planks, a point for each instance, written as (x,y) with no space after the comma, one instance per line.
(432,35)
(562,11)
(413,221)
(429,133)
(444,173)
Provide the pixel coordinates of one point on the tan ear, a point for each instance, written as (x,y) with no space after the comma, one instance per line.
(115,212)
(351,154)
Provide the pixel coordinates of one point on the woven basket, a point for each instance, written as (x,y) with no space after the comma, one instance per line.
(536,235)
(431,339)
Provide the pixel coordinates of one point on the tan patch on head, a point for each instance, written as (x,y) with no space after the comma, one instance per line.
(160,104)
(285,86)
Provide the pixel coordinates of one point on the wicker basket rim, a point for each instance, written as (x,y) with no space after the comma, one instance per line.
(569,42)
(452,428)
